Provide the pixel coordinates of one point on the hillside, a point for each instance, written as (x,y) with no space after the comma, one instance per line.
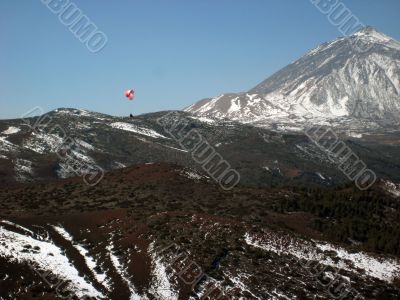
(130,237)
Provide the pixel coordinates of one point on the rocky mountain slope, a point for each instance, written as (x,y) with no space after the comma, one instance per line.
(155,231)
(333,84)
(261,156)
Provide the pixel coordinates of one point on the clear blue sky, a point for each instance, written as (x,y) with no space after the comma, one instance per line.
(173,52)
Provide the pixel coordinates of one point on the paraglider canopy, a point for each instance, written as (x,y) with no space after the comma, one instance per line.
(130,94)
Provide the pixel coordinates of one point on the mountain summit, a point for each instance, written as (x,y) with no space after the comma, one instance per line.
(333,81)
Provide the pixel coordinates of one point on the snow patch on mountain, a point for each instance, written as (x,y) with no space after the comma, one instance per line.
(11,130)
(370,35)
(82,157)
(378,267)
(203,119)
(383,269)
(192,175)
(23,169)
(90,261)
(43,143)
(122,271)
(136,129)
(45,256)
(26,230)
(7,146)
(177,149)
(118,165)
(392,187)
(354,135)
(85,144)
(161,286)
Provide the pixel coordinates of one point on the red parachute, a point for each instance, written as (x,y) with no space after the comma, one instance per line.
(130,94)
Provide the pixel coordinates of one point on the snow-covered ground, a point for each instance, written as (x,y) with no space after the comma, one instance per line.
(43,143)
(161,286)
(121,270)
(90,261)
(17,226)
(137,129)
(192,175)
(6,145)
(382,268)
(354,135)
(177,149)
(392,187)
(203,119)
(23,169)
(11,130)
(45,256)
(84,144)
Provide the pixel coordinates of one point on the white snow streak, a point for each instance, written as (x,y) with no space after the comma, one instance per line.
(11,130)
(161,286)
(137,129)
(121,270)
(381,268)
(12,247)
(90,261)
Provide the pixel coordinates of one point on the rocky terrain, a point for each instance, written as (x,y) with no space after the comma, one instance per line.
(262,157)
(157,231)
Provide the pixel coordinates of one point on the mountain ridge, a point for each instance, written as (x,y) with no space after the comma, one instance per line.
(330,82)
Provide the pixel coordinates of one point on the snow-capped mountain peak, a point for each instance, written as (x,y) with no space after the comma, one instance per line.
(371,35)
(331,82)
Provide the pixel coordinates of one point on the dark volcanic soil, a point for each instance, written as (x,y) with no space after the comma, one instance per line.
(135,213)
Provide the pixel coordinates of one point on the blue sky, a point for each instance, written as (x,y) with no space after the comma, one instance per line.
(172,52)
